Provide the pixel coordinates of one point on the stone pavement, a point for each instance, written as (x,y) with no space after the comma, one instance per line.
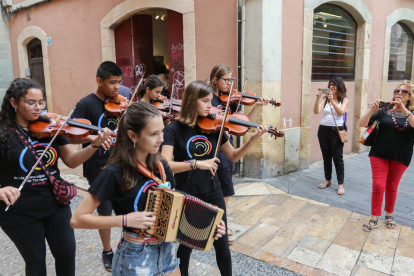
(307,231)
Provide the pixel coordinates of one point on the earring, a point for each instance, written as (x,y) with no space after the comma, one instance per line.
(134,145)
(15,110)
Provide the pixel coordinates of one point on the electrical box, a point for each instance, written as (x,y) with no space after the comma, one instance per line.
(7,3)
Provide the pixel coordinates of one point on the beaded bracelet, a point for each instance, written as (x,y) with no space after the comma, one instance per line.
(193,164)
(93,146)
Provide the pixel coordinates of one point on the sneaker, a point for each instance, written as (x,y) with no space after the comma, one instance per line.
(107,260)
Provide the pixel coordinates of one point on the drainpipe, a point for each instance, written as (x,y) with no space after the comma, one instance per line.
(241,66)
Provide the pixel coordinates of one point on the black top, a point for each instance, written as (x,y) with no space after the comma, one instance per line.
(191,143)
(390,143)
(217,103)
(107,186)
(92,108)
(36,200)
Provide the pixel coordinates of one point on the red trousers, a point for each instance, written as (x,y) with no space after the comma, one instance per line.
(386,175)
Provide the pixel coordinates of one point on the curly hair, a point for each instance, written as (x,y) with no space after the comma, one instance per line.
(217,72)
(17,90)
(339,82)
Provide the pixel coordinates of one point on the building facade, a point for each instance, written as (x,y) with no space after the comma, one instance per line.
(286,49)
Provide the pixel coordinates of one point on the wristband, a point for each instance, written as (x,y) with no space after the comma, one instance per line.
(93,146)
(408,115)
(192,164)
(124,221)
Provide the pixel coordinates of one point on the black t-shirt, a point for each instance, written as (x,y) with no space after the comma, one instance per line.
(390,143)
(107,186)
(191,143)
(93,108)
(36,200)
(217,103)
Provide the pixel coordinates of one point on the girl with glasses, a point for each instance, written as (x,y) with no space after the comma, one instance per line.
(391,153)
(36,216)
(220,80)
(333,105)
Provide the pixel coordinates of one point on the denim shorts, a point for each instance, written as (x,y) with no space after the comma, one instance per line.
(139,260)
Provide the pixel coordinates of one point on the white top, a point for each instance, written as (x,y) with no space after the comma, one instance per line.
(327,119)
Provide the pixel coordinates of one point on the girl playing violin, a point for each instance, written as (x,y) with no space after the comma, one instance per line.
(190,154)
(140,135)
(151,90)
(36,215)
(220,81)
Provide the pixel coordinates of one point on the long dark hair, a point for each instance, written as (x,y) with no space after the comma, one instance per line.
(152,81)
(194,91)
(135,119)
(17,90)
(339,82)
(217,72)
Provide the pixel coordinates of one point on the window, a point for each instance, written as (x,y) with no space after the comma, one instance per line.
(333,44)
(401,53)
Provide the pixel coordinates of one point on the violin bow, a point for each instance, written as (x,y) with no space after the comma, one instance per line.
(241,96)
(224,120)
(41,156)
(132,97)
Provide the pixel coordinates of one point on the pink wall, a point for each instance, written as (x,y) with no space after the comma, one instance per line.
(216,35)
(76,51)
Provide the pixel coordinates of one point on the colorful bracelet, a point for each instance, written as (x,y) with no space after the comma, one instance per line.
(93,146)
(193,164)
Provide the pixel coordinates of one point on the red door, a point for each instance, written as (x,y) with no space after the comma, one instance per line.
(123,48)
(176,52)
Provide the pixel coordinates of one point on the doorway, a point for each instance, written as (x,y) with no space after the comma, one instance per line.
(35,55)
(151,42)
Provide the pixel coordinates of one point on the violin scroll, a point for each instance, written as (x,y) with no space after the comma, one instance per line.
(275,103)
(275,132)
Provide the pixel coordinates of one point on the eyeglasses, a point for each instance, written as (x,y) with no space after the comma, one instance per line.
(228,80)
(403,91)
(33,104)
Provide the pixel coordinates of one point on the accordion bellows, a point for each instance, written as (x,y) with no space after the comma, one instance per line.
(183,218)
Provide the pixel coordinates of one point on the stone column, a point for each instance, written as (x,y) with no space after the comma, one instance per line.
(6,67)
(263,73)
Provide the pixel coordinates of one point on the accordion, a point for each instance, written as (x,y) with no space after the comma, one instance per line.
(183,218)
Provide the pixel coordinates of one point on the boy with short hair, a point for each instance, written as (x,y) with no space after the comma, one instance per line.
(92,107)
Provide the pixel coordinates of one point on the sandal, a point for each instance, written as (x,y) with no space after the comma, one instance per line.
(391,222)
(368,227)
(341,191)
(323,186)
(229,231)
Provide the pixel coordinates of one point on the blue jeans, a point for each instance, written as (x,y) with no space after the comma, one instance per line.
(144,260)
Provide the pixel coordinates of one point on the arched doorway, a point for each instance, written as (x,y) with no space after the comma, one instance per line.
(35,55)
(151,42)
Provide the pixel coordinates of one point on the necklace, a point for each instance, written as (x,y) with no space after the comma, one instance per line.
(395,122)
(23,131)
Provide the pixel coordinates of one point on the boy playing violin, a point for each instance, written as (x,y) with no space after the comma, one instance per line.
(92,107)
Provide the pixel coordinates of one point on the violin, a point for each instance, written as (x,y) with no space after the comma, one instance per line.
(237,124)
(48,124)
(164,104)
(246,98)
(116,106)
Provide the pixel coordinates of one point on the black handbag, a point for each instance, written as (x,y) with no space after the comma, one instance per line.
(369,137)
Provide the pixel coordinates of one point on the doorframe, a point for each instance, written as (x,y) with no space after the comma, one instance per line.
(24,38)
(131,7)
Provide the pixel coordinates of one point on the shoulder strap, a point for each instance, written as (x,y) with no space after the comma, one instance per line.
(334,118)
(144,170)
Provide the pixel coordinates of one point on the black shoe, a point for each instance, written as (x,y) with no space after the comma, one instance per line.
(107,260)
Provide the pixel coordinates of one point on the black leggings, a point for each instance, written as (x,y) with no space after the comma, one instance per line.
(223,256)
(332,148)
(30,241)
